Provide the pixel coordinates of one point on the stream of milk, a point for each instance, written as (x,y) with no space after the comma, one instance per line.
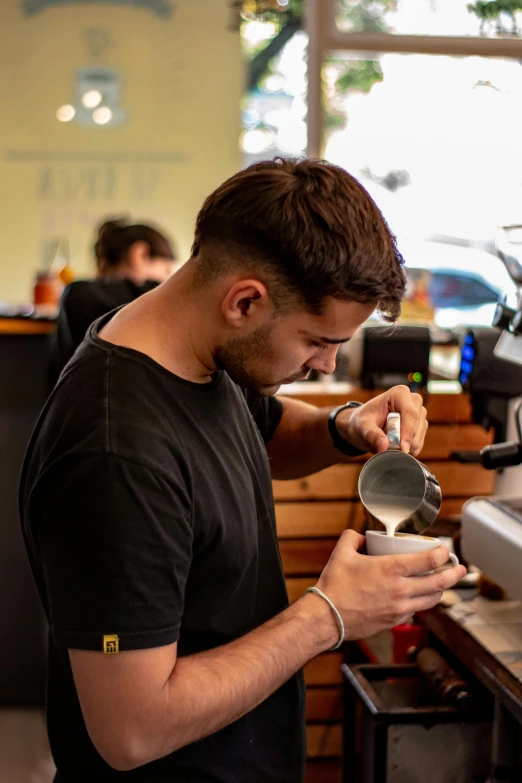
(390,516)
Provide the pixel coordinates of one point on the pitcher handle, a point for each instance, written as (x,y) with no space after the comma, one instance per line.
(393,431)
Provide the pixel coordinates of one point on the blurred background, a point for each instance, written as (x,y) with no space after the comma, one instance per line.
(140,108)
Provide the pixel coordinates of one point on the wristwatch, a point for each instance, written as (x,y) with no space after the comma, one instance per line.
(339,442)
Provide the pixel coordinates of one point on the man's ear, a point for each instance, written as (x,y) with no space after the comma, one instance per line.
(246,303)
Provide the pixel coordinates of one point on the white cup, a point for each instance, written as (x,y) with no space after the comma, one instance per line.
(378,543)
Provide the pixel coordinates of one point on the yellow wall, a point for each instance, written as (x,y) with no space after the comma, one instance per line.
(182,86)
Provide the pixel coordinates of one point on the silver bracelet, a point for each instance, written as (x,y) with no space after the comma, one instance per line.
(335,611)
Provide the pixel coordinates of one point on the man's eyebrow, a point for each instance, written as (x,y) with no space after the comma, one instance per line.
(329,340)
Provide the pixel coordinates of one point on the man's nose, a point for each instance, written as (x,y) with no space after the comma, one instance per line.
(325,361)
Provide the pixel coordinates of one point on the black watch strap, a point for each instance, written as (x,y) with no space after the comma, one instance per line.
(339,442)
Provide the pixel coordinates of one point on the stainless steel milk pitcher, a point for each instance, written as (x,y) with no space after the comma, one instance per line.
(398,487)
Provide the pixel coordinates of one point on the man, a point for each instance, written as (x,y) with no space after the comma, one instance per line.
(146,493)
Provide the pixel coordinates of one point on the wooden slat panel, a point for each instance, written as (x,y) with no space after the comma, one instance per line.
(458,480)
(297,587)
(448,408)
(451,507)
(442,408)
(325,669)
(295,520)
(324,771)
(306,556)
(324,740)
(340,481)
(359,518)
(329,519)
(324,704)
(442,439)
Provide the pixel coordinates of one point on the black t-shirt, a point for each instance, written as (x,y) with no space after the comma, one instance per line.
(83,302)
(147,512)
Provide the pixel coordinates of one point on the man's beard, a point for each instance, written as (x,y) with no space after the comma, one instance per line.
(240,357)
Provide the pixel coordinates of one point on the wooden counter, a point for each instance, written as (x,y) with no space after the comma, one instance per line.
(476,658)
(312,513)
(501,680)
(26,326)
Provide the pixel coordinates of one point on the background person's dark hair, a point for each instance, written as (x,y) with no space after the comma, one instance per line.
(115,237)
(305,227)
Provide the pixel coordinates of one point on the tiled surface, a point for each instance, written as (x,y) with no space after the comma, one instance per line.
(24,755)
(498,611)
(497,625)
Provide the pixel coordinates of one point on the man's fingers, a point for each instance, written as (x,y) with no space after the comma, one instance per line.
(409,406)
(426,591)
(419,437)
(419,562)
(420,604)
(435,583)
(352,539)
(423,602)
(376,439)
(368,424)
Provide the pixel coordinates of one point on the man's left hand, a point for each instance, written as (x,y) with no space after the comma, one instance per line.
(365,427)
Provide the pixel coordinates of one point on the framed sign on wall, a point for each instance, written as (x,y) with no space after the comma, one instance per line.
(163,8)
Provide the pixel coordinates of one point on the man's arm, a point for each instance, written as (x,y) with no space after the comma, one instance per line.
(141,705)
(301,444)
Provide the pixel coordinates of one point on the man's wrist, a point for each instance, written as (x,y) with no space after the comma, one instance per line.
(316,613)
(340,443)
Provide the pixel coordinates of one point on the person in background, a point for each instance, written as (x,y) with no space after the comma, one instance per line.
(131,260)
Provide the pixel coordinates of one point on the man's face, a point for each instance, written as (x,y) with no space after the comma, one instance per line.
(287,347)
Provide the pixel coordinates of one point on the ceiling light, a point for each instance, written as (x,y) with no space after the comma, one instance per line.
(66,113)
(102,115)
(92,98)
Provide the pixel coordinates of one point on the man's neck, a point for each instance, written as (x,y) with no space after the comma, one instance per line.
(167,324)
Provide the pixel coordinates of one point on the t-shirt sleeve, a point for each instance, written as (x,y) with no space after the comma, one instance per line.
(267,412)
(116,547)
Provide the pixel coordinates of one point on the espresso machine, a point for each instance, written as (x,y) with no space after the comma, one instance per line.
(491,370)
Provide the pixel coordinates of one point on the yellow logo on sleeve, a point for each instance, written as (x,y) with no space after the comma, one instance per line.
(111,644)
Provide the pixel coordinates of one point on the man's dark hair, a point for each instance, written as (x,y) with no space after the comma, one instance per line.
(306,228)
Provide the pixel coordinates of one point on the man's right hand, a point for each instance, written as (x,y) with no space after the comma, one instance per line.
(141,705)
(374,594)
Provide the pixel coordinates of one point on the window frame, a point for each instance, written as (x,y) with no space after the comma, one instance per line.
(324,36)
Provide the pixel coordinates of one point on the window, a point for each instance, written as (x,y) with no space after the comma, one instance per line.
(428,17)
(421,101)
(435,139)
